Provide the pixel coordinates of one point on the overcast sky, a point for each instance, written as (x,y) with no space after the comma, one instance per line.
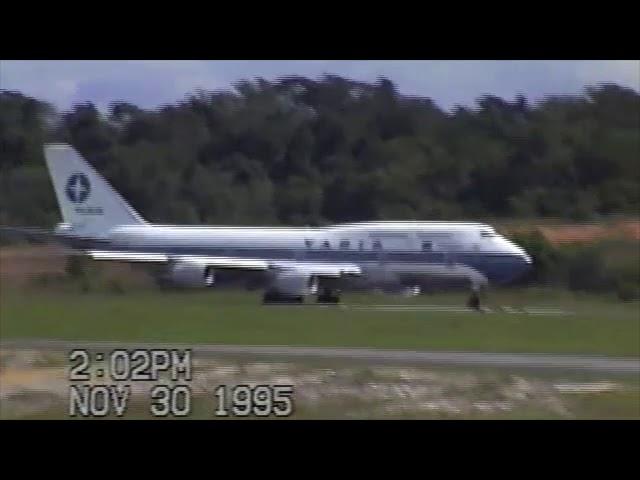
(152,83)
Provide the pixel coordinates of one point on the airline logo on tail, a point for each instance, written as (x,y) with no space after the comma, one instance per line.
(86,200)
(78,188)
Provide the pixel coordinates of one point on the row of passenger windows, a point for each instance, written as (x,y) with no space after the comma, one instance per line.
(375,245)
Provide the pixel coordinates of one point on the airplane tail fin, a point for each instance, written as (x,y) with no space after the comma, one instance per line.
(89,205)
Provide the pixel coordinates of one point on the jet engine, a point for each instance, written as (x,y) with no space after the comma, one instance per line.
(294,284)
(189,275)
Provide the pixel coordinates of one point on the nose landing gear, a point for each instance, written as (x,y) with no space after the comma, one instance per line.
(474,302)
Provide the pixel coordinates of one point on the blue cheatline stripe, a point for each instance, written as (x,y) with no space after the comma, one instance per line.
(305,254)
(495,266)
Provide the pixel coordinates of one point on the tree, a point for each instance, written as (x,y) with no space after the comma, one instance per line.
(309,151)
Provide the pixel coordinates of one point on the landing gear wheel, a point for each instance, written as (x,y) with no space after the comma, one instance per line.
(271,297)
(268,297)
(328,296)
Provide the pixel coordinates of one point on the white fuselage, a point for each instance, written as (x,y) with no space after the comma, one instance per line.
(382,249)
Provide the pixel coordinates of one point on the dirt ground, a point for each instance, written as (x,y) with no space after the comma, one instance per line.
(584,233)
(23,261)
(21,265)
(34,384)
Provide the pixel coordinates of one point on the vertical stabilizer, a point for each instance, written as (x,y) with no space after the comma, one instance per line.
(89,205)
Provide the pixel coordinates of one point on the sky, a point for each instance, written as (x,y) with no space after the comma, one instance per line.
(151,83)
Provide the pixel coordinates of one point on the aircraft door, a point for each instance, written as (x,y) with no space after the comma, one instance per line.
(377,245)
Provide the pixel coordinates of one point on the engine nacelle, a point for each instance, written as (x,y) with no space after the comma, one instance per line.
(190,275)
(294,284)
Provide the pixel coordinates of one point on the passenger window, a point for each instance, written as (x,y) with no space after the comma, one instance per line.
(308,243)
(427,246)
(345,245)
(326,244)
(361,245)
(377,245)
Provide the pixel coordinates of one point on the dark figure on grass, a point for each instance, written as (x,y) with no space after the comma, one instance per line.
(474,300)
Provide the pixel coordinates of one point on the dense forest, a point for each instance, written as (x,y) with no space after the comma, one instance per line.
(308,152)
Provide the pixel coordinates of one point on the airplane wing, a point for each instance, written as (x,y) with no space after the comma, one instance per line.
(329,270)
(219,262)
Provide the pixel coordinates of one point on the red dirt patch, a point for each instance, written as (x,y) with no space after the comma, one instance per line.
(21,264)
(18,264)
(586,233)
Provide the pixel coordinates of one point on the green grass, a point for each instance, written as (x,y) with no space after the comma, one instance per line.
(613,405)
(601,325)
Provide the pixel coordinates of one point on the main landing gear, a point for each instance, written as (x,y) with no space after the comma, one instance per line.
(273,297)
(474,301)
(329,295)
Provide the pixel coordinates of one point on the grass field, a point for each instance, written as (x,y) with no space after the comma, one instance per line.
(35,386)
(598,326)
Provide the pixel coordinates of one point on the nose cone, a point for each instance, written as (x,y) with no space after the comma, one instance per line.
(508,267)
(524,264)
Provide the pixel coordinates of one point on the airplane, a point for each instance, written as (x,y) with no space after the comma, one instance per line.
(297,262)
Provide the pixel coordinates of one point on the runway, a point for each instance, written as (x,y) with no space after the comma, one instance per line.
(526,310)
(467,359)
(460,309)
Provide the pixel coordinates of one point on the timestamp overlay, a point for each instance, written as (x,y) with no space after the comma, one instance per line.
(113,382)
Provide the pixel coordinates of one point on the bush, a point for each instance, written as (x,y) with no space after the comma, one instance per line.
(627,291)
(600,267)
(49,281)
(114,286)
(586,270)
(75,267)
(85,285)
(41,280)
(547,260)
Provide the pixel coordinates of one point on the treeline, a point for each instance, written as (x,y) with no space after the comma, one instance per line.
(308,152)
(610,266)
